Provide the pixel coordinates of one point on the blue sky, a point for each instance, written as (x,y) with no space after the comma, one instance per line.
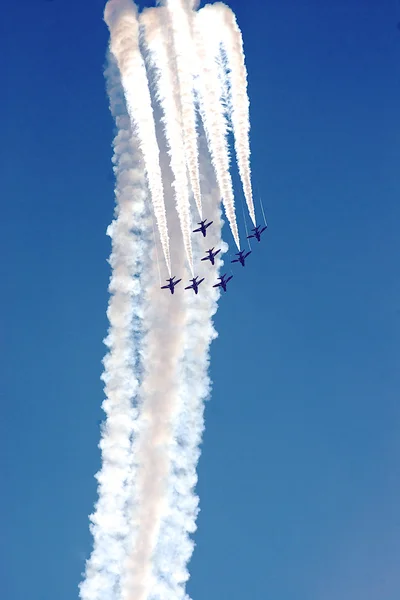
(299,478)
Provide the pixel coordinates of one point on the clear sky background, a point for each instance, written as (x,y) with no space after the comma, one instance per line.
(299,475)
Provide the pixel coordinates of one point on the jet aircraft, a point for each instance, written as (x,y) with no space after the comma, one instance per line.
(223,281)
(211,255)
(203,227)
(257,232)
(171,284)
(195,285)
(242,256)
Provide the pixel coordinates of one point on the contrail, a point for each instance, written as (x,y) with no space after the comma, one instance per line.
(262,210)
(122,21)
(160,54)
(212,109)
(180,15)
(109,521)
(231,38)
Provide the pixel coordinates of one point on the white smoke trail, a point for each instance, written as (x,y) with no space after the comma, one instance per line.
(232,41)
(174,384)
(225,93)
(212,109)
(245,226)
(180,16)
(175,547)
(158,43)
(122,21)
(109,521)
(161,350)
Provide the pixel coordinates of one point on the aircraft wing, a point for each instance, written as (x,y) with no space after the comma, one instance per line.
(250,236)
(165,287)
(217,285)
(217,252)
(206,257)
(190,287)
(200,281)
(196,230)
(246,255)
(175,282)
(236,260)
(229,278)
(210,223)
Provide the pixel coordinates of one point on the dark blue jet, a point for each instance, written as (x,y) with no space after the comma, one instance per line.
(203,227)
(211,255)
(171,284)
(195,285)
(242,256)
(223,281)
(257,232)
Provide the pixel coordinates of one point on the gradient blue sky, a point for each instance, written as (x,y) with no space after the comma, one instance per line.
(299,475)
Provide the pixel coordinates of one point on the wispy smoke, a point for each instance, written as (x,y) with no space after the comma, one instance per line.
(161,59)
(231,38)
(180,17)
(212,109)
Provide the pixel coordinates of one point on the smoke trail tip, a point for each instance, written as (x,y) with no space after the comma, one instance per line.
(113,6)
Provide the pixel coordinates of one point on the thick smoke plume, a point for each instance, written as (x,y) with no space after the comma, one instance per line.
(110,523)
(165,85)
(121,18)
